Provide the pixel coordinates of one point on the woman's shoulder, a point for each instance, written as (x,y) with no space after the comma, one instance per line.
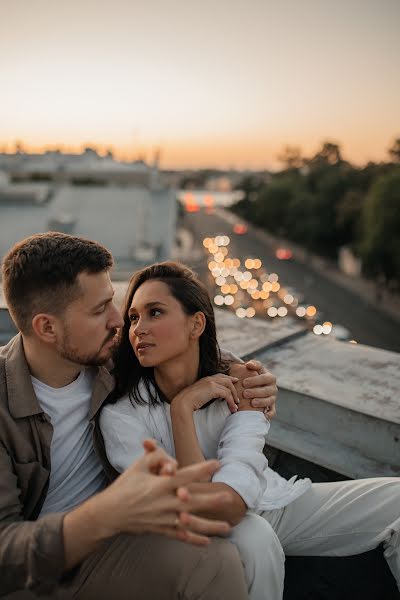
(122,406)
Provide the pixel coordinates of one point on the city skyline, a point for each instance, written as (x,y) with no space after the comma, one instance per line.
(225,85)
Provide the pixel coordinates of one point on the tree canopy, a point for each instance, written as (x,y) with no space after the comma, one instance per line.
(323,202)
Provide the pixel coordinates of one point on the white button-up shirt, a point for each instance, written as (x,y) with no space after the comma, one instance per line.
(236,440)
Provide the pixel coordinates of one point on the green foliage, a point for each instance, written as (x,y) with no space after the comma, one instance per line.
(324,202)
(380,246)
(394,151)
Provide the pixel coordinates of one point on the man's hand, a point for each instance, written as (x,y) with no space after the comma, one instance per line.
(260,388)
(149,497)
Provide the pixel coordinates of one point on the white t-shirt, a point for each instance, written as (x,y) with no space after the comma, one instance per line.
(236,440)
(76,471)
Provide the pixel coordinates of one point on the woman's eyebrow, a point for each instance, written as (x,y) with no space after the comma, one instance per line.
(148,305)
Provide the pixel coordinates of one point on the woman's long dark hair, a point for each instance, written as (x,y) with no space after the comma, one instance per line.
(185,287)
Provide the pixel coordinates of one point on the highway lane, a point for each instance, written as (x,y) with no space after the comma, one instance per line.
(338,305)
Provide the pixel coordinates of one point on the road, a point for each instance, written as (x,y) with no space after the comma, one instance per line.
(338,305)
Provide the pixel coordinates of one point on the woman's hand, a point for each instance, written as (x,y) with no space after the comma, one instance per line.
(208,388)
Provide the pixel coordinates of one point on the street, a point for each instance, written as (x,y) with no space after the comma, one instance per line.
(338,305)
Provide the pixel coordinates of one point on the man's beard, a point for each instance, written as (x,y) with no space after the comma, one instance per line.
(73,354)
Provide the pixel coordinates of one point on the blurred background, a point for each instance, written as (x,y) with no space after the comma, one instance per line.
(257,141)
(152,126)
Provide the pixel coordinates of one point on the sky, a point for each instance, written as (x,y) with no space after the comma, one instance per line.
(224,83)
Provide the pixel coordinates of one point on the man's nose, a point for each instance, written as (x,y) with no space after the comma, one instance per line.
(116,320)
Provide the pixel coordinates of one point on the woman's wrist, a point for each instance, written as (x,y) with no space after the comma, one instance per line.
(182,406)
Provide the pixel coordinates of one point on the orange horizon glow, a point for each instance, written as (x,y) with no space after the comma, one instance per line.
(229,155)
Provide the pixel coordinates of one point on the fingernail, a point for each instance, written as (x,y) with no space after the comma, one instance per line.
(237,400)
(256,404)
(247,394)
(235,379)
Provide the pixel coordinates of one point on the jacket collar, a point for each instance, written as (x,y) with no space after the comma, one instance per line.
(103,386)
(21,395)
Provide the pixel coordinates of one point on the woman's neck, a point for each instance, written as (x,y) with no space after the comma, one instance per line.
(173,376)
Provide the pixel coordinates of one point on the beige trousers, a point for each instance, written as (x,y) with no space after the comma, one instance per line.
(330,519)
(151,567)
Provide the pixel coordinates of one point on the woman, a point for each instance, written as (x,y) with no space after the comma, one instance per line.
(169,372)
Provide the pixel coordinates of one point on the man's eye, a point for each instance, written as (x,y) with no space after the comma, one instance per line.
(100,310)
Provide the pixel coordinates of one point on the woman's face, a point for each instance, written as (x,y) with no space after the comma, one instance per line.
(160,330)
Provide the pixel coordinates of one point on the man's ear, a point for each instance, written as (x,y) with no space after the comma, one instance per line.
(198,325)
(44,327)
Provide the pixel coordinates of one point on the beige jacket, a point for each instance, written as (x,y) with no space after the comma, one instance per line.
(31,549)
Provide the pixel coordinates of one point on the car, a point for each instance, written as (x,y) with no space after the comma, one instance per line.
(240,228)
(283,253)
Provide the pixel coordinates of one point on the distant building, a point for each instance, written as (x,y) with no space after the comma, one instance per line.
(88,168)
(125,207)
(136,224)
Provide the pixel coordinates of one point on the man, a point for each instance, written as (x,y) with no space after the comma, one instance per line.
(63,531)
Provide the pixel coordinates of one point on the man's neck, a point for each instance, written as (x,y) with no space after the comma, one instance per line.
(49,367)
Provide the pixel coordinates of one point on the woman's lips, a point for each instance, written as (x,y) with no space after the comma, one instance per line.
(141,348)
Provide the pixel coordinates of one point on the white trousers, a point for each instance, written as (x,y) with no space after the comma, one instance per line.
(330,519)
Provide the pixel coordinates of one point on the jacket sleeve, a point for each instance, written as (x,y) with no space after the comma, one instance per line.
(31,552)
(240,452)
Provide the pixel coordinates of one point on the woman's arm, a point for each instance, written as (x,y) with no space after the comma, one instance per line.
(239,469)
(185,404)
(188,451)
(187,447)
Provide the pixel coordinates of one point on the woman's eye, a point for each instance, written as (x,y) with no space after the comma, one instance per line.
(133,318)
(155,312)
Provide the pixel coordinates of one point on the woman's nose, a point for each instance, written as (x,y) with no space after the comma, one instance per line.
(140,327)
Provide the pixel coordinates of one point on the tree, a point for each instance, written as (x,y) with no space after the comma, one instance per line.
(380,245)
(394,151)
(291,157)
(330,154)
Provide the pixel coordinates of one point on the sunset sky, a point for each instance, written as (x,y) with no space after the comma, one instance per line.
(222,83)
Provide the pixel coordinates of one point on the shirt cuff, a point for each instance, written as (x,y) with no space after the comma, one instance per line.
(243,481)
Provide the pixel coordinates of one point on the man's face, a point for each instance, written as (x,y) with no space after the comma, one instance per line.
(88,326)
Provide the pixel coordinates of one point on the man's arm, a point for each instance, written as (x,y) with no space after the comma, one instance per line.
(31,552)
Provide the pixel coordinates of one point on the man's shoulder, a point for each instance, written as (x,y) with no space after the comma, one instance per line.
(5,352)
(9,347)
(12,353)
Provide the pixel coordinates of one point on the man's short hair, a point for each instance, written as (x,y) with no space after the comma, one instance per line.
(40,274)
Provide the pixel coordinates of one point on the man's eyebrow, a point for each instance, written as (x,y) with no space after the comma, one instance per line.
(148,305)
(105,301)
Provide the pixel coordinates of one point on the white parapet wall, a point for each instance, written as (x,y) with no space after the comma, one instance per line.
(338,403)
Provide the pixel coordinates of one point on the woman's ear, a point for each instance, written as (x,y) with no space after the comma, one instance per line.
(198,325)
